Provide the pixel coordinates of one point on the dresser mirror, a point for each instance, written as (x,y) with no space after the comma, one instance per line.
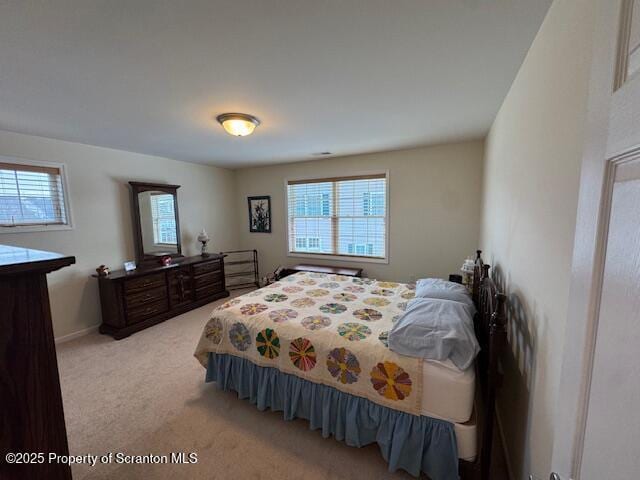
(155,220)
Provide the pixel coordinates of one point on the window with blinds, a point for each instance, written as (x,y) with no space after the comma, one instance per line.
(338,216)
(164,220)
(32,195)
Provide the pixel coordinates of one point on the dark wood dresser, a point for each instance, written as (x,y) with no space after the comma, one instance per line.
(31,413)
(132,301)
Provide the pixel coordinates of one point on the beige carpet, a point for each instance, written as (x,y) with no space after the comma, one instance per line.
(146,395)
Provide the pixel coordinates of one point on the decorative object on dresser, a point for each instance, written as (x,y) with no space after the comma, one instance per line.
(31,417)
(203,238)
(103,271)
(132,301)
(241,269)
(260,214)
(154,207)
(348,272)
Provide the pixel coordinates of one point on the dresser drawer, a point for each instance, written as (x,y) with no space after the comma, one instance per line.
(206,267)
(208,278)
(209,290)
(146,311)
(143,283)
(137,298)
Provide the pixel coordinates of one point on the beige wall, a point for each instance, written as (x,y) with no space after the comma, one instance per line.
(434,207)
(436,186)
(532,163)
(100,203)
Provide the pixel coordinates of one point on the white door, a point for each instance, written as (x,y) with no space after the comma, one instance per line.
(598,432)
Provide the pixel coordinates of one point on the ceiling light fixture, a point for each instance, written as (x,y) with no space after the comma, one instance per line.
(238,124)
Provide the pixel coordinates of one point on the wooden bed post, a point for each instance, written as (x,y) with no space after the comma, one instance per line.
(497,338)
(491,331)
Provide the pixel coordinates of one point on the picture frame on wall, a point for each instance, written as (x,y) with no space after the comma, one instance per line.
(260,214)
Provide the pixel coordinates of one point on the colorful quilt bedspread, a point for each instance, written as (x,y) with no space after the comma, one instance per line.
(328,329)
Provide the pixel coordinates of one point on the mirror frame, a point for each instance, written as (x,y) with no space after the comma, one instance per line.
(137,188)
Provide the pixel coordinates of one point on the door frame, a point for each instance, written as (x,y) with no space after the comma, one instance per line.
(594,202)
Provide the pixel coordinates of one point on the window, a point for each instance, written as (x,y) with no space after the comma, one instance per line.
(338,216)
(373,203)
(164,220)
(32,197)
(312,204)
(360,249)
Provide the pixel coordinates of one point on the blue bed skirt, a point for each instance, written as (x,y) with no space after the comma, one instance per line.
(409,442)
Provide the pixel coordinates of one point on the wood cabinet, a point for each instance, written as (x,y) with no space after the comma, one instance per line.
(132,301)
(31,413)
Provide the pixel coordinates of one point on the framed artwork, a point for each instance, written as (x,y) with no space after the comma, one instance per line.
(260,214)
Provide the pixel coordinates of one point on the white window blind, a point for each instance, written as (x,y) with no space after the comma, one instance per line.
(164,220)
(31,195)
(338,216)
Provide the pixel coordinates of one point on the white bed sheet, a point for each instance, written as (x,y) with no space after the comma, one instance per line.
(447,392)
(467,440)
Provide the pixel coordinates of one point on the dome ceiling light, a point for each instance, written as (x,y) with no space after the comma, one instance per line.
(238,124)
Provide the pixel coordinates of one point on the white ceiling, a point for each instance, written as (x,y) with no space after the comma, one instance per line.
(345,76)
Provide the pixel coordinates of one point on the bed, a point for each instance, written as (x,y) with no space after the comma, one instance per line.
(314,346)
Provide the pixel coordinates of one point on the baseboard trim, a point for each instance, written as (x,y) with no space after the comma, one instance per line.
(78,334)
(505,451)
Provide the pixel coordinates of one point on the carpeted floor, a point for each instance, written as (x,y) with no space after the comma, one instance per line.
(146,395)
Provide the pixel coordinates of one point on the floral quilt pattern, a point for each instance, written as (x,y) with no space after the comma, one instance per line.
(302,354)
(316,322)
(328,329)
(268,343)
(354,331)
(239,337)
(391,381)
(343,365)
(213,330)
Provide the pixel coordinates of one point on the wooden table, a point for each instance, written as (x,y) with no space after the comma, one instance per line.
(305,267)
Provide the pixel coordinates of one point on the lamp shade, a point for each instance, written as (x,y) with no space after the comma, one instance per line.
(203,237)
(238,124)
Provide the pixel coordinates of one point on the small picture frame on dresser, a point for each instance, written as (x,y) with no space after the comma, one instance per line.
(129,266)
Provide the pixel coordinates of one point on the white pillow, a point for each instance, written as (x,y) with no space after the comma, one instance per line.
(444,290)
(436,330)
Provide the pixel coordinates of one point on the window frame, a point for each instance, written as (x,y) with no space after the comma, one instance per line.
(65,193)
(332,256)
